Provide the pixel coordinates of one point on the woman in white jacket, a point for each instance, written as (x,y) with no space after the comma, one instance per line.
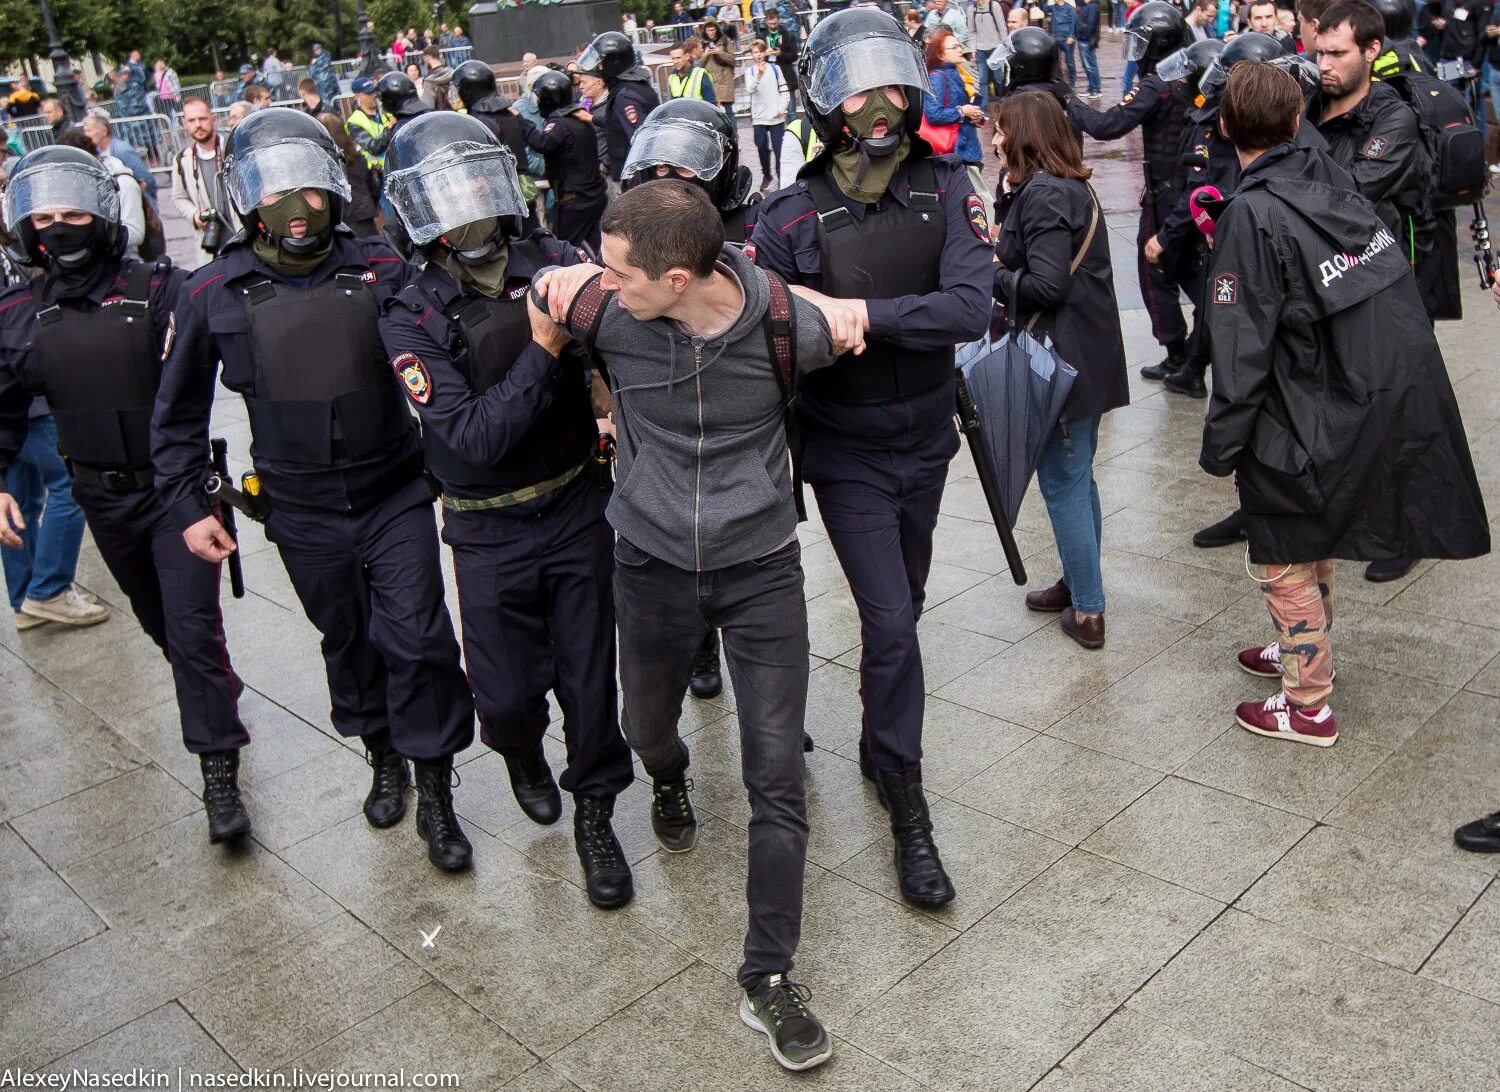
(768,103)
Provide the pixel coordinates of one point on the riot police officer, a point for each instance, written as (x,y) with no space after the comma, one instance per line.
(290,308)
(510,436)
(878,227)
(475,83)
(88,335)
(399,98)
(1159,108)
(1029,60)
(611,58)
(570,146)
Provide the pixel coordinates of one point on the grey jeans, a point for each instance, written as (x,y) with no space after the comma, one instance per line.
(663,613)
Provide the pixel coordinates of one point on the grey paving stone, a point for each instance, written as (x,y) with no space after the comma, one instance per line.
(1469,958)
(957,742)
(1488,680)
(39,915)
(1043,678)
(987,859)
(1322,1016)
(51,747)
(277,1007)
(428,1031)
(311,798)
(832,624)
(162,1041)
(1015,993)
(1134,583)
(105,815)
(1057,788)
(1134,1053)
(1294,777)
(1203,839)
(1466,591)
(1391,904)
(1451,766)
(997,608)
(687,1034)
(834,713)
(540,1078)
(973,545)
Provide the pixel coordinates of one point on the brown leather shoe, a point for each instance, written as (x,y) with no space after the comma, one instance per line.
(1087,632)
(1050,600)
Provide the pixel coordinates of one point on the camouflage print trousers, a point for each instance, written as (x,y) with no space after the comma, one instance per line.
(1300,599)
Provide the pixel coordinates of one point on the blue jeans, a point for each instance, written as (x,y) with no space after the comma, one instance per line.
(1067,52)
(1067,485)
(988,78)
(1130,70)
(47,560)
(1090,66)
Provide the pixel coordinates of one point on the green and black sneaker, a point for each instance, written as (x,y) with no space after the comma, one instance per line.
(778,1007)
(672,815)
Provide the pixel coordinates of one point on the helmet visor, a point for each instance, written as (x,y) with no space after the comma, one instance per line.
(1212,84)
(863,64)
(1176,66)
(1135,44)
(589,61)
(1001,55)
(264,175)
(677,142)
(60,187)
(1303,70)
(463,183)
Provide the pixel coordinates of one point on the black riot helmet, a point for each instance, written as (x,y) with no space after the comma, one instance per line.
(275,151)
(554,94)
(690,135)
(1155,30)
(398,95)
(1398,18)
(444,170)
(1029,55)
(475,83)
(855,51)
(1251,46)
(1190,64)
(611,56)
(57,179)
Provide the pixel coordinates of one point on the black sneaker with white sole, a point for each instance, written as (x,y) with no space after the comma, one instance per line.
(777,1007)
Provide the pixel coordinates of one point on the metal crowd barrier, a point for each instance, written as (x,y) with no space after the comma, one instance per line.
(154,136)
(34,133)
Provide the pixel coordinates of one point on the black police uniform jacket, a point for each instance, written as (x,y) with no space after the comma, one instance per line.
(1043,223)
(1331,403)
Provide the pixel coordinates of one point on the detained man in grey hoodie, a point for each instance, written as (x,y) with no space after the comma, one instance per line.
(707,530)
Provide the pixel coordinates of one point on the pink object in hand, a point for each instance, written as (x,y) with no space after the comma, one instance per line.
(1201,217)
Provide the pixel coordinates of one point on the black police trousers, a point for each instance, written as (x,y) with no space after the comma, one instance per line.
(175,597)
(1163,282)
(371,583)
(538,614)
(877,473)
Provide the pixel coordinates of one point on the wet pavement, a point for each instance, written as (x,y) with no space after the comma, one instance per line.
(1148,896)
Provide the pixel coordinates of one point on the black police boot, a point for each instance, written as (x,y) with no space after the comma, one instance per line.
(536,791)
(672,815)
(807,743)
(1480,836)
(1226,532)
(1187,380)
(1378,572)
(446,845)
(923,881)
(866,767)
(1173,363)
(228,820)
(707,681)
(605,870)
(386,803)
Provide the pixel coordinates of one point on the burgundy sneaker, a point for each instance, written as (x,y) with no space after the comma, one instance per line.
(1280,719)
(1263,663)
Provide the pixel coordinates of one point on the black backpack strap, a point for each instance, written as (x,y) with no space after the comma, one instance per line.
(135,300)
(780,327)
(833,215)
(923,190)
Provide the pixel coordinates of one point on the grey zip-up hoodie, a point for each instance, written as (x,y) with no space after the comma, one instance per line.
(703,479)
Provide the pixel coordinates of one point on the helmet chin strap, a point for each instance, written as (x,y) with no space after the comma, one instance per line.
(482,254)
(875,147)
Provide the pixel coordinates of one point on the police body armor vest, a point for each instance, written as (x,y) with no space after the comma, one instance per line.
(1161,138)
(101,367)
(323,393)
(494,333)
(896,250)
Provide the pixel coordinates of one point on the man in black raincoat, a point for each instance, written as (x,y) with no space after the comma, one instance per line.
(1331,403)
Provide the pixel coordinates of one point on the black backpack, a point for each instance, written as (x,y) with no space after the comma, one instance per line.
(1459,171)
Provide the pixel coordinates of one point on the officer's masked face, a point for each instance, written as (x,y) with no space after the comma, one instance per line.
(295,215)
(873,114)
(477,258)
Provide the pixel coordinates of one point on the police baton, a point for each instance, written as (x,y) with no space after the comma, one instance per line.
(968,421)
(219,460)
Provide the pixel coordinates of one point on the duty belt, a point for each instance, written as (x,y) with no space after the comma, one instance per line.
(515,497)
(113,481)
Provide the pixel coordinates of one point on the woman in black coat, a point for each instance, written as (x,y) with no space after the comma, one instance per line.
(1054,270)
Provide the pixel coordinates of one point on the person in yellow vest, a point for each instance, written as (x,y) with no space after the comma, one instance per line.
(687,80)
(368,126)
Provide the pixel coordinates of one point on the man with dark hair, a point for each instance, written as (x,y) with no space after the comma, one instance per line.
(1315,318)
(312,100)
(1374,135)
(1263,20)
(1309,12)
(708,537)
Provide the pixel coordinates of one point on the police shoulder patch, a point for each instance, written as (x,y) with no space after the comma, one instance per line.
(171,335)
(1376,147)
(1226,289)
(1128,99)
(749,250)
(632,115)
(413,374)
(368,276)
(549,127)
(974,207)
